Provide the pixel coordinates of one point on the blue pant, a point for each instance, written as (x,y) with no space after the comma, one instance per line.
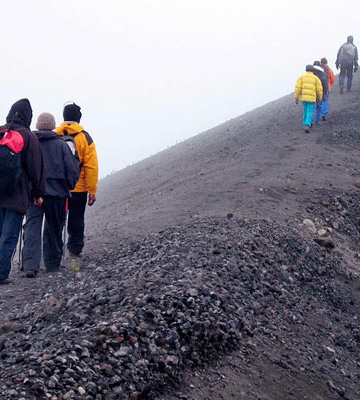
(308,112)
(10,226)
(317,111)
(325,106)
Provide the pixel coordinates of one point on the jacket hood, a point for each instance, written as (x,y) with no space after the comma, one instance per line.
(45,135)
(69,128)
(318,68)
(20,113)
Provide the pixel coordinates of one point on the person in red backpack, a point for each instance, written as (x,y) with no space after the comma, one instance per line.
(14,202)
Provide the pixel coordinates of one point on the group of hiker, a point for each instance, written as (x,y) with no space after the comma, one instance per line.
(51,172)
(315,86)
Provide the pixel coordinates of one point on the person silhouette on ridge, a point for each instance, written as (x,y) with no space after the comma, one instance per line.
(347,59)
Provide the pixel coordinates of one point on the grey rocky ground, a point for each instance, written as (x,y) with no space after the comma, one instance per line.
(225,267)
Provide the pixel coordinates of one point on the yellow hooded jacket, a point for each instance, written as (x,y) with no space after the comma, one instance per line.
(309,87)
(87,155)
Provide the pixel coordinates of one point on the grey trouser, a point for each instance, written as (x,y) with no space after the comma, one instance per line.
(54,209)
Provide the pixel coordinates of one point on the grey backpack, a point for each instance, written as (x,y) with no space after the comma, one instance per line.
(347,53)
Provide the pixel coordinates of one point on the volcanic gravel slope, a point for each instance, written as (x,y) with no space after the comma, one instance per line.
(224,267)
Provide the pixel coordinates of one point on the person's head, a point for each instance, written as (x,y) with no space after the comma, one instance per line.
(45,122)
(20,113)
(72,113)
(324,61)
(317,63)
(309,68)
(350,39)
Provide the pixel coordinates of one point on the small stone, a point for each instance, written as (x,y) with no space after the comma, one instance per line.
(81,390)
(310,226)
(69,395)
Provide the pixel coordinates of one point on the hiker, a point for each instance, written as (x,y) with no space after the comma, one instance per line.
(347,59)
(62,173)
(86,187)
(310,90)
(331,80)
(320,73)
(16,193)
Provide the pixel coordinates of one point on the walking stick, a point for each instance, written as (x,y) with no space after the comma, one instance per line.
(20,245)
(64,233)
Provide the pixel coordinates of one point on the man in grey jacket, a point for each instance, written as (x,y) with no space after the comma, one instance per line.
(347,59)
(62,173)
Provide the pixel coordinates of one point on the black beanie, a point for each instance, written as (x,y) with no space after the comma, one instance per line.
(72,113)
(309,68)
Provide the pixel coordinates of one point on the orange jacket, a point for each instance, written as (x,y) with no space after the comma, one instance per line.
(87,155)
(330,74)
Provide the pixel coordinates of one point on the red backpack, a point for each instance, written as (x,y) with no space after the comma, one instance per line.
(11,145)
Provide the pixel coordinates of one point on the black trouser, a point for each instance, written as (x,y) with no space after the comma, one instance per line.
(54,209)
(346,70)
(76,222)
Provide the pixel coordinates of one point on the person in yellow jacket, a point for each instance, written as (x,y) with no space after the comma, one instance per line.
(86,187)
(310,90)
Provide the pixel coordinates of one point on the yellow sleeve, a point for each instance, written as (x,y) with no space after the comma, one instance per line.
(298,87)
(90,166)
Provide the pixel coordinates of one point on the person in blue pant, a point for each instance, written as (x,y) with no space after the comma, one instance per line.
(320,73)
(15,203)
(308,87)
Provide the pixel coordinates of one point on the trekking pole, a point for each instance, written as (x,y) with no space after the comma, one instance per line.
(64,233)
(20,245)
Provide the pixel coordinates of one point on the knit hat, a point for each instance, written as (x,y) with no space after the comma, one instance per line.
(317,63)
(309,68)
(72,113)
(350,39)
(45,122)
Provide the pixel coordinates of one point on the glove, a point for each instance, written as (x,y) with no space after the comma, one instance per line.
(337,64)
(356,68)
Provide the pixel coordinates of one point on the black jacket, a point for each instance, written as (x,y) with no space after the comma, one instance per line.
(32,161)
(323,78)
(62,169)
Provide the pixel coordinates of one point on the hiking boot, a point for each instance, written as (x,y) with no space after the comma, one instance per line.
(323,118)
(307,129)
(5,281)
(77,256)
(52,269)
(341,89)
(30,274)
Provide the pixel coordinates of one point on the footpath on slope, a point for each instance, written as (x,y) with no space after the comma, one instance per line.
(261,290)
(258,165)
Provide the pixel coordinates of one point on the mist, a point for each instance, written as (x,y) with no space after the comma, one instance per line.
(151,73)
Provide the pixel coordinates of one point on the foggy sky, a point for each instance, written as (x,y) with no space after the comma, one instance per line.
(149,73)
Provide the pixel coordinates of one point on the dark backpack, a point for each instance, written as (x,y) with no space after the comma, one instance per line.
(11,146)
